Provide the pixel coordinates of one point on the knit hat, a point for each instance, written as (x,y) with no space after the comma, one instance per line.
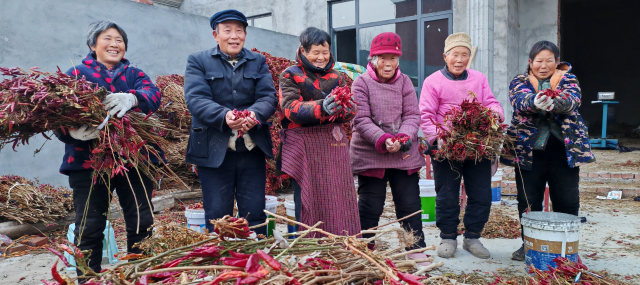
(227,15)
(386,43)
(457,40)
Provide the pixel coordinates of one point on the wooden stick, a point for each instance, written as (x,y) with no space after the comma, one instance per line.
(386,271)
(299,224)
(432,247)
(298,239)
(473,55)
(187,268)
(261,225)
(429,268)
(392,222)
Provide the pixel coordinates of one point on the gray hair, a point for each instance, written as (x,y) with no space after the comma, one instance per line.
(97,28)
(374,61)
(449,52)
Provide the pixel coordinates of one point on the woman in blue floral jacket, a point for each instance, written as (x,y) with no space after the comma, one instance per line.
(551,138)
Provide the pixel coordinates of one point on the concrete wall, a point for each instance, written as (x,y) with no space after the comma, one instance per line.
(538,21)
(289,16)
(53,34)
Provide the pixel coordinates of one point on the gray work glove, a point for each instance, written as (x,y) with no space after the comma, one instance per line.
(85,133)
(119,103)
(561,105)
(406,146)
(329,105)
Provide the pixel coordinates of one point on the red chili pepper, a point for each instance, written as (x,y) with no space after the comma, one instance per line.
(56,276)
(239,254)
(60,255)
(66,248)
(175,262)
(390,263)
(131,256)
(205,251)
(148,115)
(224,276)
(269,260)
(410,279)
(232,261)
(162,275)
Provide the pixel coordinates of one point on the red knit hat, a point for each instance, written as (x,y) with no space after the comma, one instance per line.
(386,43)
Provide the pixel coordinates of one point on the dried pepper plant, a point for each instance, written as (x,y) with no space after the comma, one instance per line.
(26,201)
(471,131)
(34,102)
(212,259)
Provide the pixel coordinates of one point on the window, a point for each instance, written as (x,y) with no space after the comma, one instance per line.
(423,26)
(264,21)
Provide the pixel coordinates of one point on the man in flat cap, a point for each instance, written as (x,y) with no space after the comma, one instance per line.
(229,150)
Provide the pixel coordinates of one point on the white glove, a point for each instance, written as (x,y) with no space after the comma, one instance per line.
(85,133)
(119,103)
(543,102)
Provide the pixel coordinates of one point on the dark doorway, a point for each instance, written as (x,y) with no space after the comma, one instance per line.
(346,46)
(600,39)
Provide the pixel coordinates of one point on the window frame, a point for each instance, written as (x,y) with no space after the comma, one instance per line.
(259,16)
(420,20)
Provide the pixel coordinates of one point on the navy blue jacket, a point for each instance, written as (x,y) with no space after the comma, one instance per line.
(212,87)
(125,79)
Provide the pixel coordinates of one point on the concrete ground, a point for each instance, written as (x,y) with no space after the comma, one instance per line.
(612,232)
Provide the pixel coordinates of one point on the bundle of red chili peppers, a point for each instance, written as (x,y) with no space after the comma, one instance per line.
(244,114)
(567,272)
(471,131)
(400,138)
(553,94)
(36,102)
(230,227)
(219,260)
(343,98)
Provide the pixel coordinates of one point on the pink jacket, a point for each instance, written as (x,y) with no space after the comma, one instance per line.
(440,94)
(384,110)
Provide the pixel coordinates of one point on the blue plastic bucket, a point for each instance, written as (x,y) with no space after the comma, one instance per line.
(290,206)
(548,235)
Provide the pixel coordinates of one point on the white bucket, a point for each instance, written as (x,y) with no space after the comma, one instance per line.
(290,206)
(271,205)
(428,201)
(196,220)
(548,235)
(496,188)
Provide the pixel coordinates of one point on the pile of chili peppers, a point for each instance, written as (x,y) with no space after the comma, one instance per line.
(471,131)
(568,272)
(553,94)
(400,138)
(26,201)
(343,98)
(35,102)
(244,114)
(231,227)
(215,259)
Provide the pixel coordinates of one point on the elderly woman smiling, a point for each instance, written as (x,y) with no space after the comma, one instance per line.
(551,138)
(441,92)
(387,108)
(106,66)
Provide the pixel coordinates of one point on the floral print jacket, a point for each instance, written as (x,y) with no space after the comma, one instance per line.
(522,91)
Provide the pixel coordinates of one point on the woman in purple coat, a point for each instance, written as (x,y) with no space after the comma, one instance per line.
(388,109)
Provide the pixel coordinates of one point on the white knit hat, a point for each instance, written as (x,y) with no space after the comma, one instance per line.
(457,40)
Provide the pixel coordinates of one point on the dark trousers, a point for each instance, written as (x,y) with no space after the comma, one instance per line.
(240,177)
(297,198)
(477,185)
(406,197)
(90,226)
(549,166)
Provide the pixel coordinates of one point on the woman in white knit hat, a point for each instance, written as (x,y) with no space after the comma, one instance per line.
(442,91)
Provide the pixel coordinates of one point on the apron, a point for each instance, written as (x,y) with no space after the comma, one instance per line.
(318,159)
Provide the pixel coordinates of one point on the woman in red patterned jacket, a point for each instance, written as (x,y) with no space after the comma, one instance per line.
(315,151)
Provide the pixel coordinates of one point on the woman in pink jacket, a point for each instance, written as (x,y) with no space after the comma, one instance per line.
(387,108)
(441,91)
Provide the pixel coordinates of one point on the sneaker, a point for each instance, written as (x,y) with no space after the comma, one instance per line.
(518,255)
(419,255)
(476,248)
(447,247)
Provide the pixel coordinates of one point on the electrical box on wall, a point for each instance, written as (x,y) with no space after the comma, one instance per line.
(606,95)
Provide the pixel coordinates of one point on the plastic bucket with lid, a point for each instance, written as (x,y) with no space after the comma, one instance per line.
(290,206)
(548,235)
(496,188)
(196,220)
(271,205)
(428,201)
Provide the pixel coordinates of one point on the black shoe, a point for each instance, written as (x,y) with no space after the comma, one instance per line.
(518,255)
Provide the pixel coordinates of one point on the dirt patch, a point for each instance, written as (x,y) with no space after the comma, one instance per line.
(614,160)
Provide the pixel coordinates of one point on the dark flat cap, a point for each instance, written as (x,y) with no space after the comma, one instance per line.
(227,15)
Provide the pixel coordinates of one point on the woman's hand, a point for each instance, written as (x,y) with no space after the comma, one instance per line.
(392,146)
(543,102)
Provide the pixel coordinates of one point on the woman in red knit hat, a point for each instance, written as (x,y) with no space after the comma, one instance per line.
(387,112)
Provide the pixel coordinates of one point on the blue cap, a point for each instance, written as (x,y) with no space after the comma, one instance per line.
(228,15)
